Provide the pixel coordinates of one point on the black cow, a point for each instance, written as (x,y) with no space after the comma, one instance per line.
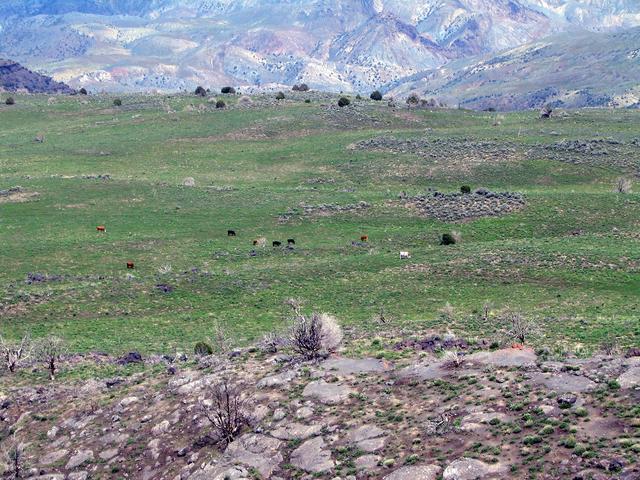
(277,244)
(231,233)
(291,241)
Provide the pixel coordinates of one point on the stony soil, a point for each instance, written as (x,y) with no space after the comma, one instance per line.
(447,154)
(507,413)
(452,207)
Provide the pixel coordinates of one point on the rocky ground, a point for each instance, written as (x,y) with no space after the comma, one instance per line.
(400,409)
(595,152)
(446,154)
(452,207)
(464,154)
(16,195)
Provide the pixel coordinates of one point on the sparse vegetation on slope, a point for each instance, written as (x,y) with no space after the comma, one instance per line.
(564,243)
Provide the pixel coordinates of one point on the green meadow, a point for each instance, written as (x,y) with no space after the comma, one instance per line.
(570,259)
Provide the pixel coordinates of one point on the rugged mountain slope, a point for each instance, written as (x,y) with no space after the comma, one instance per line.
(572,70)
(14,76)
(331,44)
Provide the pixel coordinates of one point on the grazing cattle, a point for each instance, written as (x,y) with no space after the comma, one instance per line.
(277,244)
(291,241)
(260,242)
(130,265)
(231,233)
(404,255)
(517,346)
(364,238)
(101,228)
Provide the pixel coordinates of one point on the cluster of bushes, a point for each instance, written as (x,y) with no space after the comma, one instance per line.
(10,101)
(343,102)
(117,102)
(200,92)
(228,90)
(377,96)
(414,100)
(303,87)
(280,96)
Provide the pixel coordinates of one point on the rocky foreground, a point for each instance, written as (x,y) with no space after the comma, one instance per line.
(490,414)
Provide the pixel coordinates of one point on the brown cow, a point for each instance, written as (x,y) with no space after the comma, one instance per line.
(101,228)
(364,238)
(130,265)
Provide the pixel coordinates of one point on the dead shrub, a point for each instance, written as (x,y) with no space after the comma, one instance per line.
(15,353)
(315,335)
(220,340)
(519,327)
(14,457)
(50,351)
(452,359)
(226,409)
(270,343)
(623,185)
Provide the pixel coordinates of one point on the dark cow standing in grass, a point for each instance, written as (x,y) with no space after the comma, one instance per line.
(231,233)
(277,244)
(291,241)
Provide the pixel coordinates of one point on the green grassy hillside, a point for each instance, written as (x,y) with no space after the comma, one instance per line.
(570,258)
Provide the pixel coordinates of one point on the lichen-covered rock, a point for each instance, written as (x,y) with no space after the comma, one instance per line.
(415,472)
(312,456)
(328,393)
(472,469)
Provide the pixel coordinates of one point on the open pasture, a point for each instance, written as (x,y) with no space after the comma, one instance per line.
(324,177)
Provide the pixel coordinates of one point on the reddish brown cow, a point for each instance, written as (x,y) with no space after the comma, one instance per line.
(364,238)
(101,228)
(130,265)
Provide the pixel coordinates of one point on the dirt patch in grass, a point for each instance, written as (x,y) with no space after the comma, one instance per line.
(17,195)
(322,210)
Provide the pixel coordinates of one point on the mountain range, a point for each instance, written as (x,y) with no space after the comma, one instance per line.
(449,48)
